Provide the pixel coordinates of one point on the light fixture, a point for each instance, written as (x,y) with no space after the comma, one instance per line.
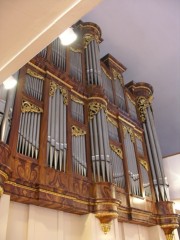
(68,37)
(10,82)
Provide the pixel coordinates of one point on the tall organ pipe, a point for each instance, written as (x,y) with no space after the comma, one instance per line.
(100,147)
(56,142)
(163,194)
(93,63)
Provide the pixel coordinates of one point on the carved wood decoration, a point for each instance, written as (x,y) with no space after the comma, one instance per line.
(75,142)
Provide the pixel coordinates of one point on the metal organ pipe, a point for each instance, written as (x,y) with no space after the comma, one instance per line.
(100,149)
(29,128)
(119,94)
(132,164)
(56,142)
(117,166)
(160,178)
(93,63)
(76,64)
(79,151)
(59,54)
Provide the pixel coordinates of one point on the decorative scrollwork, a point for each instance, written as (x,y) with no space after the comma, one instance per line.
(111,120)
(94,108)
(144,163)
(130,131)
(106,227)
(88,38)
(54,86)
(142,104)
(65,95)
(34,74)
(30,107)
(117,75)
(117,150)
(77,100)
(76,50)
(76,131)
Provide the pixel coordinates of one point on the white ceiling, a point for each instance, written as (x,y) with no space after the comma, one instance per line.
(145,36)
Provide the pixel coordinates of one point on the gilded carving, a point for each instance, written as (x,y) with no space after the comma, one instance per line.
(111,120)
(76,131)
(106,227)
(94,108)
(77,100)
(106,73)
(88,38)
(65,95)
(34,74)
(117,75)
(54,86)
(142,104)
(30,107)
(117,150)
(76,50)
(144,163)
(170,236)
(130,131)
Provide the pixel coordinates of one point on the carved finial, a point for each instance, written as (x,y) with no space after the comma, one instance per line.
(106,227)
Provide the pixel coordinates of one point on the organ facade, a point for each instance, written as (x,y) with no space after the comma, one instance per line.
(76,138)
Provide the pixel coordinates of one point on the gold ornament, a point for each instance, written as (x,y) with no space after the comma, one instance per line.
(30,107)
(117,150)
(130,131)
(76,131)
(144,163)
(34,74)
(88,38)
(77,100)
(54,86)
(76,50)
(117,75)
(106,227)
(94,108)
(142,104)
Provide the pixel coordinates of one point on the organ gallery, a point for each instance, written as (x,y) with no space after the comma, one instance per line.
(76,138)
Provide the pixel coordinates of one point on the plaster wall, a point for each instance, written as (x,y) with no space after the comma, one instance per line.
(29,222)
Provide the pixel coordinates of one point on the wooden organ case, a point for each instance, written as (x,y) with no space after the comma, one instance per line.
(75,138)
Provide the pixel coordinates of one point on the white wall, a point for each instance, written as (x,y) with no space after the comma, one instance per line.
(29,222)
(172,171)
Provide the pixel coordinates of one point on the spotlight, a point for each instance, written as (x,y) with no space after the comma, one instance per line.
(68,37)
(10,82)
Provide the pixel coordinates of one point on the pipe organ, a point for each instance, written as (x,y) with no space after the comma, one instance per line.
(78,139)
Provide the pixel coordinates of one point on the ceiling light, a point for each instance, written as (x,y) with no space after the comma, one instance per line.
(68,37)
(10,82)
